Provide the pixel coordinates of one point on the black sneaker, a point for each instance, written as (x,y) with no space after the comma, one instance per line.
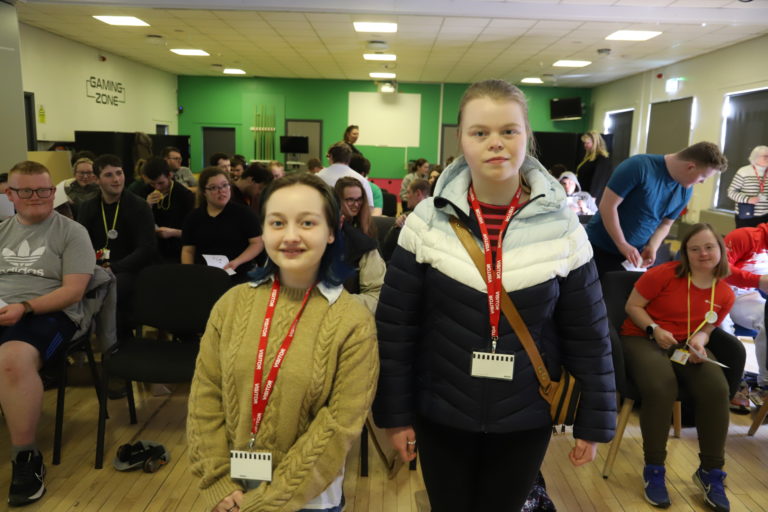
(27,484)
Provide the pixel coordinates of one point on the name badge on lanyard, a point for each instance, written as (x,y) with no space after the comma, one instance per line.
(250,465)
(257,465)
(681,355)
(490,365)
(493,366)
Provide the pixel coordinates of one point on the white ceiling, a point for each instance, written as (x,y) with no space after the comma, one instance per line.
(437,40)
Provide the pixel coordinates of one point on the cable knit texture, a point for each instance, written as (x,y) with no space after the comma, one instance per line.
(317,409)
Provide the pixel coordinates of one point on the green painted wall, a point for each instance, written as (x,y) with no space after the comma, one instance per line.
(233,102)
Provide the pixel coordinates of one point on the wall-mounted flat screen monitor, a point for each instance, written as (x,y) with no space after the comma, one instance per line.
(564,109)
(291,144)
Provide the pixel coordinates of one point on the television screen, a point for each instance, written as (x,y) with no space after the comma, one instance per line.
(563,109)
(290,144)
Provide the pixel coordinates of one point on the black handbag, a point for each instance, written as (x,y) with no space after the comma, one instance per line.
(745,210)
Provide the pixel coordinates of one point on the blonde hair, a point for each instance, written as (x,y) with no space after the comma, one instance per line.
(598,147)
(81,161)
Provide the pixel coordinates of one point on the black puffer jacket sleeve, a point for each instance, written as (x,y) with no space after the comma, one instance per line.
(398,320)
(582,323)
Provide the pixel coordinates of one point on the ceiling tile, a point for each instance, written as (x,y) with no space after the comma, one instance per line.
(451,46)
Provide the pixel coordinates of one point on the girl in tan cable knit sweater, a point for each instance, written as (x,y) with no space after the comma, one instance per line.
(327,379)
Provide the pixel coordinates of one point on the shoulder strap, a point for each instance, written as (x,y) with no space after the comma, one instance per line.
(507,306)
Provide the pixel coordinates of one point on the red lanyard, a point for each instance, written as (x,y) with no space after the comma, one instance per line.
(493,278)
(762,180)
(260,398)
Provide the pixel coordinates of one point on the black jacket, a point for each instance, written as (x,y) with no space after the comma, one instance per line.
(431,317)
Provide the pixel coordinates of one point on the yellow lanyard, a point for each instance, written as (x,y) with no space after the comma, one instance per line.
(709,318)
(112,231)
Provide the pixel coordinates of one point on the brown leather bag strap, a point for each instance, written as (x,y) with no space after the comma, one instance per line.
(507,306)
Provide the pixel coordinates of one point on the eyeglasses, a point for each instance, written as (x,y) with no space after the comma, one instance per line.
(213,188)
(84,173)
(353,200)
(174,158)
(26,193)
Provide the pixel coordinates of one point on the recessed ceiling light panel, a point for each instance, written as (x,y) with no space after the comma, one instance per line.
(387,76)
(123,21)
(369,26)
(633,35)
(190,52)
(531,80)
(380,56)
(572,63)
(233,71)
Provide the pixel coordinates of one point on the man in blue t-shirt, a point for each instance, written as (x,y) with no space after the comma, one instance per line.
(644,196)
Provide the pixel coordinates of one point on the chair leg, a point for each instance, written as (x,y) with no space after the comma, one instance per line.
(99,463)
(94,370)
(677,418)
(57,432)
(131,402)
(626,410)
(364,451)
(759,418)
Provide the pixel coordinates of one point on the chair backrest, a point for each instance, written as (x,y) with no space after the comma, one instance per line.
(390,203)
(178,298)
(616,289)
(383,225)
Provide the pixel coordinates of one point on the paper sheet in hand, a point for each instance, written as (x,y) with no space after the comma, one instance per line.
(3,303)
(703,357)
(218,261)
(630,267)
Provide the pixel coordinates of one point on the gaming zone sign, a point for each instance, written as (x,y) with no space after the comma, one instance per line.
(105,92)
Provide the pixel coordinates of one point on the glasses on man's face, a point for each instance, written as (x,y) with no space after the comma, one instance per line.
(83,173)
(26,193)
(214,188)
(178,158)
(353,200)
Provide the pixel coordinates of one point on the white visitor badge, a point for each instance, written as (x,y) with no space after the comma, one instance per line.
(493,366)
(680,356)
(250,465)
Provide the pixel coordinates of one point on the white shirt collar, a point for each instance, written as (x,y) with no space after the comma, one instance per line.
(331,293)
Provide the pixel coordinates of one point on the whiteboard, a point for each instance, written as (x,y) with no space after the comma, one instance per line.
(386,119)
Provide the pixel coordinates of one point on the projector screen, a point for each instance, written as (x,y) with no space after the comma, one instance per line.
(386,119)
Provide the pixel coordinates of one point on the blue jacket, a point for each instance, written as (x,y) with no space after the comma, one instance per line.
(433,314)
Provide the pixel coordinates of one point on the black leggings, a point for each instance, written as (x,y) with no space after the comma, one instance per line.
(474,471)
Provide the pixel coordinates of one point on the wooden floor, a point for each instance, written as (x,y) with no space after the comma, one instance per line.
(76,486)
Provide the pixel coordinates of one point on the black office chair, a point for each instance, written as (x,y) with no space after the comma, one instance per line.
(763,411)
(173,298)
(383,225)
(56,370)
(390,203)
(727,348)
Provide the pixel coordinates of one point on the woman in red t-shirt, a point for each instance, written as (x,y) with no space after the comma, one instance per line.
(678,305)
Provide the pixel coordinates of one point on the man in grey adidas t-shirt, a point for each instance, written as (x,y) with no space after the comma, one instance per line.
(46,262)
